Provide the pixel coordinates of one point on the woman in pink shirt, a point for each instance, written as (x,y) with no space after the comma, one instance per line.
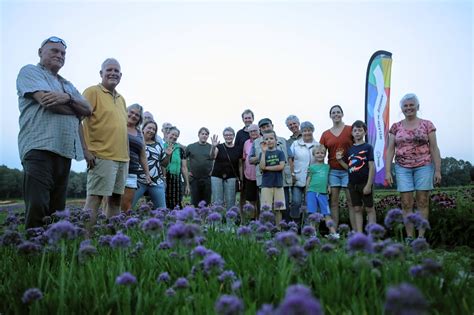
(417,161)
(338,139)
(250,177)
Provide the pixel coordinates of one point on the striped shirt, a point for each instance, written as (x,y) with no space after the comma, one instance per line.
(41,129)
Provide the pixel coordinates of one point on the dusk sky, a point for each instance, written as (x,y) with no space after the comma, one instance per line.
(201,64)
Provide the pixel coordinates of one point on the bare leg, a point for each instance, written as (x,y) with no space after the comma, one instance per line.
(113,205)
(371,215)
(92,203)
(407,207)
(352,218)
(335,205)
(127,198)
(422,202)
(278,216)
(359,219)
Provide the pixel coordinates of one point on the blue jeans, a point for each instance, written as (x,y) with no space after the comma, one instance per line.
(157,194)
(297,195)
(223,191)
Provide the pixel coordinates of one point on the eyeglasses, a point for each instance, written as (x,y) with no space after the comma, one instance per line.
(228,135)
(53,39)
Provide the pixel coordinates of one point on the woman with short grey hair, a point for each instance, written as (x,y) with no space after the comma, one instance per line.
(302,159)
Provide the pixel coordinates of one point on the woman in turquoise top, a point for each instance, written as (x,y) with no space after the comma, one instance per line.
(176,168)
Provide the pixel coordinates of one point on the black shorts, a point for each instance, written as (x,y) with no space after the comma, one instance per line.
(251,190)
(358,198)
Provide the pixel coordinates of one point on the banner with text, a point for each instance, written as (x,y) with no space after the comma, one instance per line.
(377,105)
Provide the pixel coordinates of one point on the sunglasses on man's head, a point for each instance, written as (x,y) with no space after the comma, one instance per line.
(53,39)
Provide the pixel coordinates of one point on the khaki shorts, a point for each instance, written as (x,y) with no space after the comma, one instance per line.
(273,198)
(107,177)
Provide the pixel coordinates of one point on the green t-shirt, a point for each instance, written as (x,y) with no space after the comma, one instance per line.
(199,159)
(319,178)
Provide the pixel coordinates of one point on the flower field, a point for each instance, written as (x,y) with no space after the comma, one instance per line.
(199,261)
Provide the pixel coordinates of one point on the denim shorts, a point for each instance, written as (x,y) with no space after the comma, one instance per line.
(338,178)
(416,178)
(317,201)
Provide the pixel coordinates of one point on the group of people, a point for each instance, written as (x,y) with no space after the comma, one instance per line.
(126,158)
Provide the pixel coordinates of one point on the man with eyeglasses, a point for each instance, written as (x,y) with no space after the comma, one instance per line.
(106,143)
(51,109)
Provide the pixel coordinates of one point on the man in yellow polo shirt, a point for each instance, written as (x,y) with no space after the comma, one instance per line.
(106,142)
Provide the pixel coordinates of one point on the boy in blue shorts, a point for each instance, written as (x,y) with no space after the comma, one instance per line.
(361,174)
(317,187)
(272,163)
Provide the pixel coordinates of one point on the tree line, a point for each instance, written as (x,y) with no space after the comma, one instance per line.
(454,173)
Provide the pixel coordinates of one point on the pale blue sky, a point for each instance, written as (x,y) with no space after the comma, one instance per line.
(201,64)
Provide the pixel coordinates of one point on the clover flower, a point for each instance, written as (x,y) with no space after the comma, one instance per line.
(105,240)
(199,251)
(311,243)
(170,292)
(315,217)
(376,231)
(393,251)
(286,239)
(243,230)
(419,245)
(213,261)
(299,301)
(231,215)
(227,275)
(152,226)
(187,214)
(393,218)
(326,248)
(181,283)
(86,250)
(272,251)
(308,230)
(132,222)
(214,217)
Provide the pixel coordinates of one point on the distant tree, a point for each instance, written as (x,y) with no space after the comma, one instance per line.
(77,185)
(11,183)
(454,172)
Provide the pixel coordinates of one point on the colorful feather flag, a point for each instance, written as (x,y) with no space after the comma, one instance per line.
(377,105)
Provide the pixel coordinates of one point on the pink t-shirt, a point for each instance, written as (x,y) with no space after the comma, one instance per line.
(250,170)
(412,146)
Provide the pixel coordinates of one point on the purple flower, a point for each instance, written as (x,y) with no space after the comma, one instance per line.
(152,226)
(126,278)
(164,245)
(272,251)
(236,285)
(308,230)
(299,301)
(311,243)
(34,232)
(164,277)
(62,214)
(266,208)
(120,240)
(61,230)
(414,219)
(393,251)
(297,253)
(405,299)
(202,204)
(177,232)
(431,266)
(298,289)
(330,224)
(376,231)
(419,245)
(283,225)
(315,217)
(393,218)
(105,240)
(262,229)
(226,275)
(231,215)
(279,204)
(417,271)
(170,292)
(212,262)
(187,214)
(31,295)
(243,230)
(424,225)
(287,239)
(267,216)
(28,248)
(344,228)
(199,251)
(248,208)
(359,242)
(181,283)
(266,309)
(214,217)
(86,250)
(132,222)
(229,305)
(326,248)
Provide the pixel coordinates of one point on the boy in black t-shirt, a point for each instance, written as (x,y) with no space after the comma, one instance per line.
(361,174)
(272,163)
